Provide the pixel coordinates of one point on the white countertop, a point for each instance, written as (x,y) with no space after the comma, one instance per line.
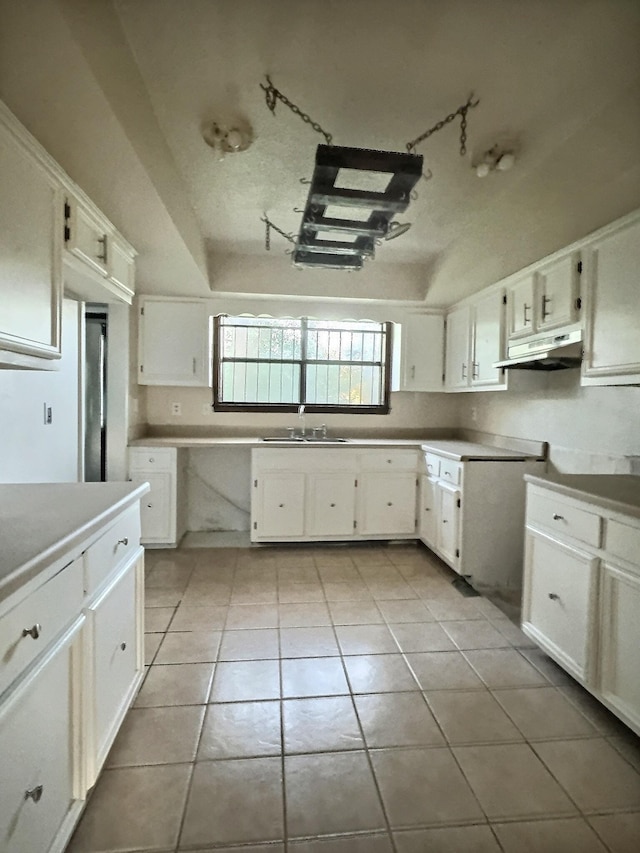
(40,522)
(459,450)
(467,450)
(618,492)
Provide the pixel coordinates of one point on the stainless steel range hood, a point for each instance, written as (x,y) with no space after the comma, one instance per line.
(557,351)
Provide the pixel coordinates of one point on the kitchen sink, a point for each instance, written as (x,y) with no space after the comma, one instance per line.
(298,439)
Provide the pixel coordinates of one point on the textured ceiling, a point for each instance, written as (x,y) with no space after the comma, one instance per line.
(376,75)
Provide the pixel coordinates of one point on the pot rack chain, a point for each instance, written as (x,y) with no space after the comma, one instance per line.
(462,112)
(272,95)
(267,232)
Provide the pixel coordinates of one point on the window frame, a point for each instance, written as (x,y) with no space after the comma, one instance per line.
(321,408)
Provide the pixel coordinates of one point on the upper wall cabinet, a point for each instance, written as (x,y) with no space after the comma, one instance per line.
(99,264)
(31,201)
(545,298)
(422,352)
(612,336)
(174,342)
(475,340)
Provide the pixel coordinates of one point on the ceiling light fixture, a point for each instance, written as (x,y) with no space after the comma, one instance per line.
(227,140)
(494,160)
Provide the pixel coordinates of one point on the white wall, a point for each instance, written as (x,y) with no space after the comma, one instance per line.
(589,430)
(30,451)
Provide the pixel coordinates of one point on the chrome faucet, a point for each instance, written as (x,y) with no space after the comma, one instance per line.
(301,419)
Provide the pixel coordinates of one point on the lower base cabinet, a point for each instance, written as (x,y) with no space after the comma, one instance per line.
(39,796)
(329,495)
(581,598)
(76,630)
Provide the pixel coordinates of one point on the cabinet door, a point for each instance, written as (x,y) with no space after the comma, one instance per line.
(280,508)
(520,307)
(31,226)
(558,286)
(422,352)
(558,600)
(488,340)
(427,515)
(331,502)
(157,507)
(174,343)
(121,266)
(612,342)
(457,351)
(619,642)
(116,660)
(387,504)
(38,749)
(448,526)
(86,237)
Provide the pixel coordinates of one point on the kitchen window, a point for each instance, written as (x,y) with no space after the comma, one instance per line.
(263,364)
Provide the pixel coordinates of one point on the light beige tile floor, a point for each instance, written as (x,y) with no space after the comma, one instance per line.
(350,700)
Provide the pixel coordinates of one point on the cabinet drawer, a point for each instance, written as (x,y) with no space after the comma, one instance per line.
(623,541)
(432,464)
(45,613)
(37,749)
(152,458)
(450,471)
(388,460)
(112,549)
(562,518)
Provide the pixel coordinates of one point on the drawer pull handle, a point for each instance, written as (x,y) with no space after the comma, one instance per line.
(123,646)
(124,541)
(34,631)
(34,794)
(554,597)
(557,517)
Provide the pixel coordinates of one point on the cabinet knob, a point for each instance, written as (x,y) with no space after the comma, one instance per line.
(150,506)
(123,646)
(554,597)
(34,631)
(389,461)
(427,509)
(151,459)
(389,503)
(557,517)
(445,521)
(124,541)
(331,504)
(34,794)
(280,505)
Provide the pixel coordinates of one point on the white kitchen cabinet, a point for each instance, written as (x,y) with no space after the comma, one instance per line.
(612,340)
(544,297)
(30,250)
(427,510)
(326,494)
(331,504)
(422,352)
(472,512)
(582,584)
(174,342)
(558,599)
(487,340)
(387,503)
(162,509)
(39,797)
(620,640)
(71,662)
(279,505)
(475,340)
(458,349)
(116,660)
(99,264)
